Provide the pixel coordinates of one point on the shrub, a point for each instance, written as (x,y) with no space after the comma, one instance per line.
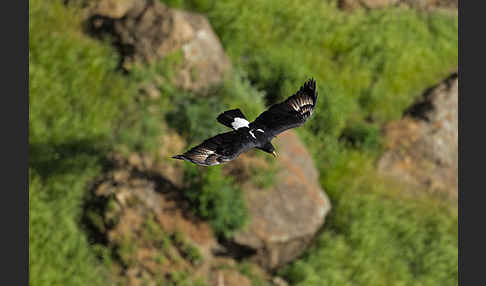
(216,198)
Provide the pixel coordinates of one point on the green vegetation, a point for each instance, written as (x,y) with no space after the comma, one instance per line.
(189,111)
(370,65)
(188,251)
(216,198)
(378,236)
(81,108)
(248,269)
(75,100)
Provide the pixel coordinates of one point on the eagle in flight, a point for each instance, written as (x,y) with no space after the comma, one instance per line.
(224,147)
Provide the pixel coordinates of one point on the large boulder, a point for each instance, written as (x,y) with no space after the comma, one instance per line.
(285,217)
(146,31)
(115,9)
(423,146)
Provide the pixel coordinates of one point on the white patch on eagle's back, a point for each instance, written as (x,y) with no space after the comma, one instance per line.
(260,130)
(253,135)
(239,122)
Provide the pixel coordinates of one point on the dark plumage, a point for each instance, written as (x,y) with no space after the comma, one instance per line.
(224,147)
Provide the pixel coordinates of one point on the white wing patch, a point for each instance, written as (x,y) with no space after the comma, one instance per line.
(253,134)
(239,122)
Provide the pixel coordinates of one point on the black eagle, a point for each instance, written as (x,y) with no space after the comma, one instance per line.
(224,147)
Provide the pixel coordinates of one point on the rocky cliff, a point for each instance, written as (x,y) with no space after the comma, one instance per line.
(145,31)
(138,208)
(422,148)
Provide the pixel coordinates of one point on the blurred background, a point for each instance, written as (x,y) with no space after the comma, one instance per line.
(365,193)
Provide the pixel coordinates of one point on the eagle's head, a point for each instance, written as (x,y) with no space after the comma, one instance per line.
(269,148)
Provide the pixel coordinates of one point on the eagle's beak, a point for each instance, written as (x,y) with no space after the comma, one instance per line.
(274,154)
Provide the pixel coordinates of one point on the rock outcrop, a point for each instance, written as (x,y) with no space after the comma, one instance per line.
(151,230)
(285,217)
(145,31)
(423,146)
(139,212)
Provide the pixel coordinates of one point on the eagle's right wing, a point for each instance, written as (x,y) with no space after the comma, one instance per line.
(291,113)
(219,149)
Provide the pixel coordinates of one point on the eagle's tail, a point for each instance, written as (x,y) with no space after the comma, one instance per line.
(227,118)
(180,157)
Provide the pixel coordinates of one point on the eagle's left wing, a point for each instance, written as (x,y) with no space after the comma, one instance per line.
(219,149)
(293,112)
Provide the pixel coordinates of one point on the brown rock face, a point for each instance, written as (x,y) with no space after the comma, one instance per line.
(230,277)
(114,8)
(147,31)
(152,232)
(151,228)
(285,218)
(423,146)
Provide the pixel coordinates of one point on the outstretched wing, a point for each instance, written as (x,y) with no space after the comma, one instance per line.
(219,149)
(293,112)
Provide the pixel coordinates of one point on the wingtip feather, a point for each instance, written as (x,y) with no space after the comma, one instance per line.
(311,84)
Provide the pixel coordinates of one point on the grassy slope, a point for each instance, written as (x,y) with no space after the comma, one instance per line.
(75,98)
(81,108)
(379,235)
(369,66)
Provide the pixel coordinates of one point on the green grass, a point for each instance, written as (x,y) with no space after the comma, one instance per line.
(81,108)
(376,235)
(59,252)
(374,63)
(216,199)
(369,67)
(194,115)
(75,100)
